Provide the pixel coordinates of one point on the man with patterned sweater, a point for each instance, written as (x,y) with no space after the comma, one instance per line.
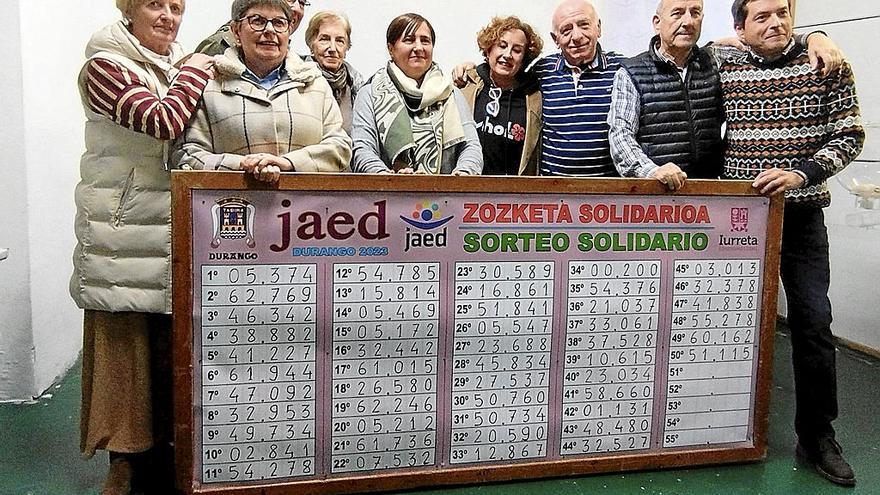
(789,130)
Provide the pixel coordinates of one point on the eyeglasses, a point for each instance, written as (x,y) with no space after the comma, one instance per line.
(258,23)
(303,3)
(494,106)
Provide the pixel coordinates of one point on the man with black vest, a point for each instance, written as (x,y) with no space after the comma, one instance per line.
(666,107)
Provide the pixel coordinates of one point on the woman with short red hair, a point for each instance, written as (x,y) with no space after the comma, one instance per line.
(506,101)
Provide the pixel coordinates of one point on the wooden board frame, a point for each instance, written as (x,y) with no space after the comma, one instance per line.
(183,185)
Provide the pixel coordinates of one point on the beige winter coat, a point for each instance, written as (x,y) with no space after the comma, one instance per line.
(123,220)
(298,119)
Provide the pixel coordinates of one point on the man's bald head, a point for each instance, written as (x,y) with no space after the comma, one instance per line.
(567,6)
(576,30)
(664,5)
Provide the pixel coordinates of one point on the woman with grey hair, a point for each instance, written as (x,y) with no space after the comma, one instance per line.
(268,111)
(223,38)
(329,39)
(137,90)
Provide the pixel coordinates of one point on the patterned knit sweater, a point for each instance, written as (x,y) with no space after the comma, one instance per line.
(782,114)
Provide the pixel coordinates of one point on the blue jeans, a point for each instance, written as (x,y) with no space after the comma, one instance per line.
(806,276)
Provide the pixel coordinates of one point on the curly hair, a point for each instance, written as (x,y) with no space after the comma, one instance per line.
(489,36)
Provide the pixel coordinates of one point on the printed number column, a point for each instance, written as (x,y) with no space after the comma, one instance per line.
(501,361)
(711,356)
(258,372)
(385,336)
(611,336)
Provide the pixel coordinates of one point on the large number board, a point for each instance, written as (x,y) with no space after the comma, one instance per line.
(501,361)
(404,332)
(258,371)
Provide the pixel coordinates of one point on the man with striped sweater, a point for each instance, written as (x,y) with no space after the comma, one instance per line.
(789,130)
(576,95)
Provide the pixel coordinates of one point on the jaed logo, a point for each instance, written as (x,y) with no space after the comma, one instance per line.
(233,220)
(426,217)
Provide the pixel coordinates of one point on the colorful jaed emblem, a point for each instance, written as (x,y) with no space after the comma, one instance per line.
(427,216)
(233,219)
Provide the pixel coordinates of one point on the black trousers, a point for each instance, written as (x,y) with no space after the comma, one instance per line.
(806,276)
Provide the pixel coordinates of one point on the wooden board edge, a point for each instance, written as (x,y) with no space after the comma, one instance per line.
(769,305)
(498,474)
(447,184)
(182,349)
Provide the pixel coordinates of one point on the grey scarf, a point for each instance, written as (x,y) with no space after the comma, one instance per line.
(338,80)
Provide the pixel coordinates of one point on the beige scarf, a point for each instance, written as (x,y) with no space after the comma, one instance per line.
(416,122)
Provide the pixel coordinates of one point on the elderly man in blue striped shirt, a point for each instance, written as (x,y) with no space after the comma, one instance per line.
(576,87)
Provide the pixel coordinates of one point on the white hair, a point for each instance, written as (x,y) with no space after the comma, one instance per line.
(126,6)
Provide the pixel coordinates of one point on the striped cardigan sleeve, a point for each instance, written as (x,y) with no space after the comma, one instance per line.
(120,95)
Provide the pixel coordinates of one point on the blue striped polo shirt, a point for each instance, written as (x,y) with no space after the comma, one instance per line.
(575,131)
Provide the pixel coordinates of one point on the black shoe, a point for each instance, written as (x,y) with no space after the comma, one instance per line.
(827,458)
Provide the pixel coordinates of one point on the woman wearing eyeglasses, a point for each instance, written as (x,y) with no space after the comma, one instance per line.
(409,118)
(506,101)
(267,112)
(217,43)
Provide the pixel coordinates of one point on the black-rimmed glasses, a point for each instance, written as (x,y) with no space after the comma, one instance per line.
(258,23)
(494,106)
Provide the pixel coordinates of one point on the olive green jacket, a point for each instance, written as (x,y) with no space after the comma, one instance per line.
(217,43)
